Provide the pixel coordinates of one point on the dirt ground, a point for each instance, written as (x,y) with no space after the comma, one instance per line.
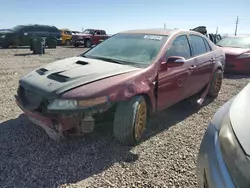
(165,158)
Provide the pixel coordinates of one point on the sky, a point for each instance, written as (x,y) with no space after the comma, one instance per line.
(117,15)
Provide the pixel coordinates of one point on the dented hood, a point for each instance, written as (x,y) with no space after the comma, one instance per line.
(63,75)
(240,118)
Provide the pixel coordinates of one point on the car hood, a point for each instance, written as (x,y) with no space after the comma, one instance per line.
(58,77)
(240,118)
(235,51)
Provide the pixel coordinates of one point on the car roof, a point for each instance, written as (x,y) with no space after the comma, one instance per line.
(160,31)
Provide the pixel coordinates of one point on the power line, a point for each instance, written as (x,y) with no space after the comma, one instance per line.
(236,26)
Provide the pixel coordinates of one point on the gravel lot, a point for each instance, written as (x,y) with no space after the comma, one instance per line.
(166,157)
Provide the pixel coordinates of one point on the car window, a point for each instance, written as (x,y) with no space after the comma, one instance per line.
(180,47)
(97,32)
(208,47)
(140,49)
(198,45)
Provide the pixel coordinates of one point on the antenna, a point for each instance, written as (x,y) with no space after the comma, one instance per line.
(236,26)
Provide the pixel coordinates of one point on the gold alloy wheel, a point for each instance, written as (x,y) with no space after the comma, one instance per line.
(218,83)
(141,119)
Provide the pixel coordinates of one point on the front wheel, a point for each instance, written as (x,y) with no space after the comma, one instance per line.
(87,43)
(130,120)
(215,84)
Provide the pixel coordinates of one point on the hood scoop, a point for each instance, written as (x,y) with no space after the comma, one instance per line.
(82,63)
(58,77)
(42,71)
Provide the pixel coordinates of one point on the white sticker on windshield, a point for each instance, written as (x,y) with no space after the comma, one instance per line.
(152,37)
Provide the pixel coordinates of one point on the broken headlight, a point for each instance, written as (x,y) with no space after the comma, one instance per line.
(235,158)
(71,104)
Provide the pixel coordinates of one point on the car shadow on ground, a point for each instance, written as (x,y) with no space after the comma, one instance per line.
(73,47)
(25,54)
(16,47)
(29,158)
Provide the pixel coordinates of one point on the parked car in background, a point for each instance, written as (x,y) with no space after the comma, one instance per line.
(21,35)
(89,37)
(127,77)
(66,35)
(223,160)
(237,50)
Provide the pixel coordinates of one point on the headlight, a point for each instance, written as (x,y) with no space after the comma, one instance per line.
(235,158)
(63,104)
(245,55)
(2,36)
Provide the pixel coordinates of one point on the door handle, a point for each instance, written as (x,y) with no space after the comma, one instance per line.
(192,67)
(212,59)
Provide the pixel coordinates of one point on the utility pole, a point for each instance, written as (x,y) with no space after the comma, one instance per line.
(236,26)
(216,30)
(164,25)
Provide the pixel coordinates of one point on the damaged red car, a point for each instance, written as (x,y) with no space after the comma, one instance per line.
(130,76)
(237,50)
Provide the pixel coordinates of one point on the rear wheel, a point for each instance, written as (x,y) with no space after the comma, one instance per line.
(215,84)
(130,120)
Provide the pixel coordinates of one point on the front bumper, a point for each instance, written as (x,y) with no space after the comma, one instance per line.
(78,42)
(211,168)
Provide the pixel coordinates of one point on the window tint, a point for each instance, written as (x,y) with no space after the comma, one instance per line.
(207,45)
(180,47)
(97,32)
(198,45)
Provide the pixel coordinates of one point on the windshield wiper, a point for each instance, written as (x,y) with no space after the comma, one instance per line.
(107,59)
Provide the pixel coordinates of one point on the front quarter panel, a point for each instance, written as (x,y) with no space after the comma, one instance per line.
(118,88)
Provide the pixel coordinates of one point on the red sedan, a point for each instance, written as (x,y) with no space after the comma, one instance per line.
(128,76)
(237,50)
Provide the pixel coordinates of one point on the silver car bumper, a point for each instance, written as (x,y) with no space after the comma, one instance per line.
(211,169)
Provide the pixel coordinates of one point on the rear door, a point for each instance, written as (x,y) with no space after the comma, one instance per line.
(203,57)
(174,83)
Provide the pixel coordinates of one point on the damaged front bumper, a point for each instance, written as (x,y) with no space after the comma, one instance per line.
(58,124)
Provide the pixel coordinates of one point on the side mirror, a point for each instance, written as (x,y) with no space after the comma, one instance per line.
(175,61)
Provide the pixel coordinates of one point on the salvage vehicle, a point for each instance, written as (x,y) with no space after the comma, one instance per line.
(66,35)
(89,37)
(224,156)
(129,76)
(21,35)
(237,50)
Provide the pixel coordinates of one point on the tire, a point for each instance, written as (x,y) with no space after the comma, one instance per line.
(87,43)
(67,43)
(76,45)
(215,84)
(53,43)
(129,126)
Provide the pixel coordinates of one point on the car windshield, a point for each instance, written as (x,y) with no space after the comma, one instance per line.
(237,42)
(88,31)
(140,49)
(17,28)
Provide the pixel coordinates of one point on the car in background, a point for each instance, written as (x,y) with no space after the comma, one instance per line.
(127,77)
(224,156)
(66,35)
(89,37)
(237,50)
(21,35)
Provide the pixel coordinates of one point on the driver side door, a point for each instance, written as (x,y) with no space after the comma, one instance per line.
(173,82)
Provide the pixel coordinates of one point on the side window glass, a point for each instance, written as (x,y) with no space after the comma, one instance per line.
(97,32)
(207,45)
(198,45)
(180,47)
